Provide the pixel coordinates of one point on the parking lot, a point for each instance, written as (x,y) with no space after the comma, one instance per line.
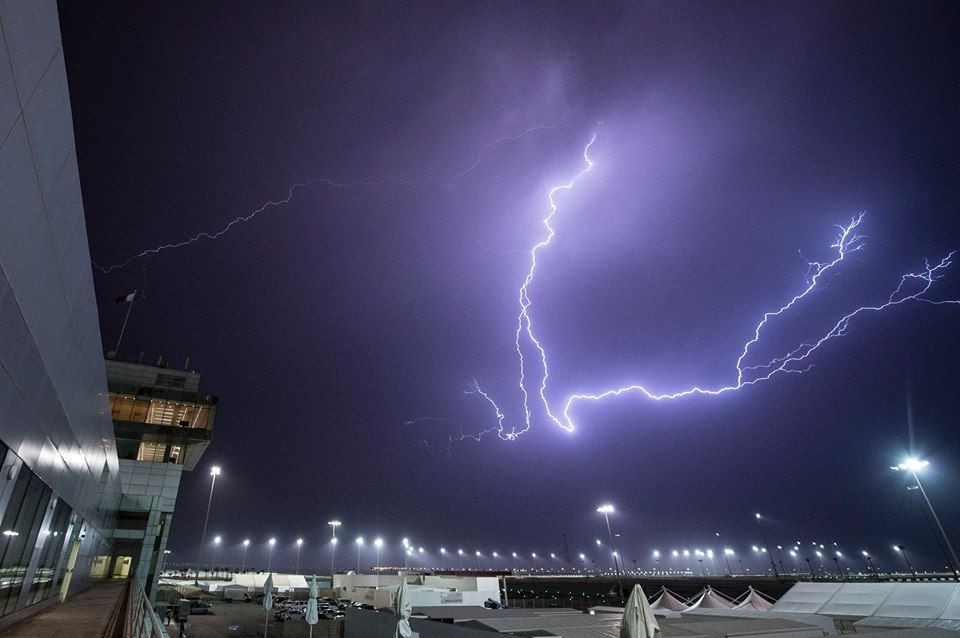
(246,620)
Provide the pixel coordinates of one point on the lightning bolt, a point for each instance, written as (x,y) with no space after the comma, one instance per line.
(913,287)
(292,191)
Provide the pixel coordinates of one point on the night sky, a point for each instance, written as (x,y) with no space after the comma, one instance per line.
(732,138)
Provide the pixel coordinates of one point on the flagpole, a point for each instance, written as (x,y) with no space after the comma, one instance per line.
(129,308)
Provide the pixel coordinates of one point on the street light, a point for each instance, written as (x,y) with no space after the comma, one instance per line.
(914,466)
(607,509)
(478,559)
(216,549)
(460,552)
(333,556)
(243,561)
(378,543)
(867,557)
(515,561)
(299,546)
(214,473)
(836,558)
(656,557)
(767,545)
(334,524)
(443,553)
(271,542)
(727,553)
(903,552)
(359,547)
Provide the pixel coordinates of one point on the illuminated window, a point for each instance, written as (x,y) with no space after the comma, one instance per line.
(162,412)
(152,452)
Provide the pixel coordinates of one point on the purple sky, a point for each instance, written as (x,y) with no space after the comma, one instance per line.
(731,140)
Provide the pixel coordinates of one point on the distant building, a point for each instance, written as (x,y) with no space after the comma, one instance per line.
(162,424)
(379,590)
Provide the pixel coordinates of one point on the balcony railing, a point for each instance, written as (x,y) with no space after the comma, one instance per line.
(141,621)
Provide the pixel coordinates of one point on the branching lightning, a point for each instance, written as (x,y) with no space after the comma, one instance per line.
(913,287)
(292,191)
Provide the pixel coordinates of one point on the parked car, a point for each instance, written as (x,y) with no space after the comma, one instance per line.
(200,608)
(291,613)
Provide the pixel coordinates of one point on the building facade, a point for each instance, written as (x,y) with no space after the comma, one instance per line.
(162,424)
(60,475)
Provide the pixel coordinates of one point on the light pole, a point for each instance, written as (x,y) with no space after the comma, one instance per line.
(495,556)
(443,554)
(460,552)
(214,473)
(866,556)
(163,562)
(515,562)
(606,510)
(836,559)
(727,553)
(477,553)
(216,550)
(903,552)
(766,544)
(359,547)
(334,524)
(333,556)
(656,558)
(583,561)
(243,561)
(378,543)
(271,543)
(299,546)
(913,466)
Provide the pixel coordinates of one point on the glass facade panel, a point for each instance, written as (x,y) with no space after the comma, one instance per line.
(54,540)
(18,534)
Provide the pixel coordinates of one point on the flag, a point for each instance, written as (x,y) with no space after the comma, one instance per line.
(128,298)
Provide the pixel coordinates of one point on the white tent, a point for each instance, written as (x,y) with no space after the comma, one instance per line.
(917,600)
(857,599)
(281,582)
(806,598)
(888,601)
(668,601)
(710,599)
(754,600)
(952,610)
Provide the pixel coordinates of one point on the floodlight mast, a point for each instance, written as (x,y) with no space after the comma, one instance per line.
(913,466)
(606,509)
(767,546)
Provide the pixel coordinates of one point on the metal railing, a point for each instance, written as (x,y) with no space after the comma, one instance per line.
(141,620)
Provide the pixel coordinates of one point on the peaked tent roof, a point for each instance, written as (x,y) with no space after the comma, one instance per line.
(667,600)
(710,599)
(753,600)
